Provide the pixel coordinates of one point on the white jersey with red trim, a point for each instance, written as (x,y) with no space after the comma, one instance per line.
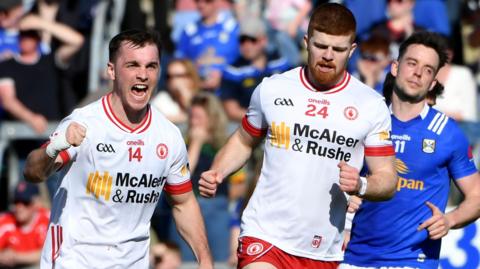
(109,187)
(297,204)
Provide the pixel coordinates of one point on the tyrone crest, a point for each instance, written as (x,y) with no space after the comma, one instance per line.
(162,151)
(254,249)
(350,113)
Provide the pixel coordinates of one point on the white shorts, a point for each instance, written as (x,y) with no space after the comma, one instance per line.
(349,266)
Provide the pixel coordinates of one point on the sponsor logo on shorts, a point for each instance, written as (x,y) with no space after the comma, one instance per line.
(254,249)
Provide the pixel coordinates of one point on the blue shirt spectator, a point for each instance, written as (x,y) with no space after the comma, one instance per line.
(211,46)
(242,77)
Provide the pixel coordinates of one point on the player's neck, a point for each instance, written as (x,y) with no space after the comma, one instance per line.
(406,111)
(129,117)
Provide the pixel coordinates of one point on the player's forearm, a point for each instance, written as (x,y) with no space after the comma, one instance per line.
(381,186)
(466,212)
(38,166)
(190,225)
(194,154)
(233,155)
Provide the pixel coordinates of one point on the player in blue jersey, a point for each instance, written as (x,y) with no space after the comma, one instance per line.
(406,231)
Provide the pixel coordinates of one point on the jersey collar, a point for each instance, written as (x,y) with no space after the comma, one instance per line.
(423,114)
(107,107)
(334,89)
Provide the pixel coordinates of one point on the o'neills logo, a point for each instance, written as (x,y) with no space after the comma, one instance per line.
(138,142)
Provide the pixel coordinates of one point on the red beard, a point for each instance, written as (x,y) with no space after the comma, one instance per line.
(329,78)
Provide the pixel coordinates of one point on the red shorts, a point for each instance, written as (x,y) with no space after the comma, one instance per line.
(251,249)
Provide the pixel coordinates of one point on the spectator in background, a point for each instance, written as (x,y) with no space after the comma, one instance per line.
(23,231)
(288,20)
(11,12)
(433,15)
(399,25)
(242,77)
(36,100)
(373,63)
(211,42)
(459,99)
(183,82)
(166,255)
(207,132)
(185,12)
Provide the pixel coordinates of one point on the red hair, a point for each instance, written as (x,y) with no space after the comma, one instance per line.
(332,19)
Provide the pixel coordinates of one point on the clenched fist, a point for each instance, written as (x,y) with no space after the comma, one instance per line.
(349,178)
(208,183)
(75,134)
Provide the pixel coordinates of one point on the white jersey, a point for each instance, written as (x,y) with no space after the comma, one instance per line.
(109,188)
(297,204)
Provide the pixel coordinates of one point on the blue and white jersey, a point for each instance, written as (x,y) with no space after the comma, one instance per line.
(430,149)
(210,47)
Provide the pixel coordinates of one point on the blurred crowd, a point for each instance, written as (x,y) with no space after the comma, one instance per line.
(53,55)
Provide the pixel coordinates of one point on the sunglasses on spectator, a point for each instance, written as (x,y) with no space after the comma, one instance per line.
(396,1)
(179,75)
(245,38)
(372,57)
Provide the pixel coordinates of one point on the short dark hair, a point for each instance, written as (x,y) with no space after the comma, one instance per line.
(138,38)
(332,19)
(428,39)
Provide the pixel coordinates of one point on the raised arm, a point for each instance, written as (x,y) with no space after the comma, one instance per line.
(42,162)
(229,159)
(190,225)
(70,38)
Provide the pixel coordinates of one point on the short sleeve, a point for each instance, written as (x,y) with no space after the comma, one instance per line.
(378,142)
(178,179)
(254,120)
(461,164)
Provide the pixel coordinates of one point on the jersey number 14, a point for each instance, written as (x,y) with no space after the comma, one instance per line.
(135,154)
